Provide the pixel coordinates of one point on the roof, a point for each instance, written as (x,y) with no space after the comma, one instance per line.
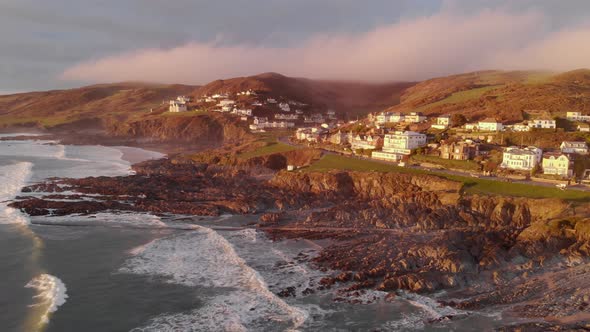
(574,144)
(490,120)
(554,155)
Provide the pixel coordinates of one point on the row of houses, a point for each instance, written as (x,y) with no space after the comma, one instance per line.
(179,104)
(391,117)
(261,123)
(555,163)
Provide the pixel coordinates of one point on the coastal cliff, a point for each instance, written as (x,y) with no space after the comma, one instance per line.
(391,232)
(208,129)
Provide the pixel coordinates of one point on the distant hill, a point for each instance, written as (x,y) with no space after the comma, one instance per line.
(84,105)
(350,98)
(506,95)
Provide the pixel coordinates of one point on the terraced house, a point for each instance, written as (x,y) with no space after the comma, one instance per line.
(368,142)
(490,124)
(542,124)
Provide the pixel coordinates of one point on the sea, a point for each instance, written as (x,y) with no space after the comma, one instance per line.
(120,271)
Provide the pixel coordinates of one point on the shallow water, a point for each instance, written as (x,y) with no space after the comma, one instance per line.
(121,272)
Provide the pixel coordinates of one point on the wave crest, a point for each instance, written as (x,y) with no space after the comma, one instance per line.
(51,294)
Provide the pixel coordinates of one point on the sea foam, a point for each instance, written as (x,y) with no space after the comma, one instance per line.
(12,179)
(51,294)
(204,258)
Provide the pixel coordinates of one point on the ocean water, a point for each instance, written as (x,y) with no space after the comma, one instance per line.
(141,272)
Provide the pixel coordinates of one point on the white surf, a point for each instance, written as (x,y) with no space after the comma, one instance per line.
(51,294)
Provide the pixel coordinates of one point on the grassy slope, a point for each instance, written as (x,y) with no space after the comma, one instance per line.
(461,96)
(119,101)
(270,148)
(472,185)
(505,95)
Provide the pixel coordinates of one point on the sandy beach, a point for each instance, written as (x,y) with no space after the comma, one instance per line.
(136,155)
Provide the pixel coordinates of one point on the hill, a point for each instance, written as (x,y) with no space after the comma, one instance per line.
(501,94)
(346,98)
(86,106)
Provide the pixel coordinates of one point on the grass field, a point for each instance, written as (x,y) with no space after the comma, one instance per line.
(461,96)
(468,165)
(270,148)
(471,185)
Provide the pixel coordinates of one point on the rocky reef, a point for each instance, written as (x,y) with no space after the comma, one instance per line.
(389,231)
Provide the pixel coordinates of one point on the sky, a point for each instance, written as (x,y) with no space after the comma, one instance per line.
(68,43)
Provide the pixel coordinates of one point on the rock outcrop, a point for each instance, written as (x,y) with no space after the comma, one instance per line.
(390,231)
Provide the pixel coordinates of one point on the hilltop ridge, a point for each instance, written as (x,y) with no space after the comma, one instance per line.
(500,94)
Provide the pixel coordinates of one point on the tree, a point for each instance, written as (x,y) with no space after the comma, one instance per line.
(535,170)
(458,119)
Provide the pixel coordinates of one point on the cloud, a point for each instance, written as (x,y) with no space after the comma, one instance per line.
(416,49)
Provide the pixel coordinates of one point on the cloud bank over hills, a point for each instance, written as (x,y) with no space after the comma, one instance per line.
(411,49)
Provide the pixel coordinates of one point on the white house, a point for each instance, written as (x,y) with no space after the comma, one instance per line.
(489,124)
(381,155)
(558,164)
(403,142)
(415,117)
(314,118)
(368,142)
(177,106)
(577,116)
(285,107)
(521,159)
(519,127)
(219,96)
(584,127)
(260,120)
(244,112)
(286,116)
(330,114)
(226,102)
(338,138)
(542,124)
(184,99)
(442,122)
(309,134)
(247,93)
(385,117)
(271,100)
(574,147)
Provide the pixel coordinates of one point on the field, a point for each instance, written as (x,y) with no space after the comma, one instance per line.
(471,185)
(468,165)
(270,148)
(461,96)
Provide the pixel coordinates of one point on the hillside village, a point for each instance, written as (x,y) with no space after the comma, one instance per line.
(259,110)
(487,147)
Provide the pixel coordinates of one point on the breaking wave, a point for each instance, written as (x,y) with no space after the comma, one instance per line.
(12,179)
(115,220)
(204,258)
(37,149)
(51,294)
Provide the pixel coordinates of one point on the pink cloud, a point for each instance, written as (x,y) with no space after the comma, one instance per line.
(409,50)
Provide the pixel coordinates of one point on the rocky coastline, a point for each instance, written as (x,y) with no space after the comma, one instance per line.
(390,232)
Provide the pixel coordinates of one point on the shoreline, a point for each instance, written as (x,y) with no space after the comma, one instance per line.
(134,155)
